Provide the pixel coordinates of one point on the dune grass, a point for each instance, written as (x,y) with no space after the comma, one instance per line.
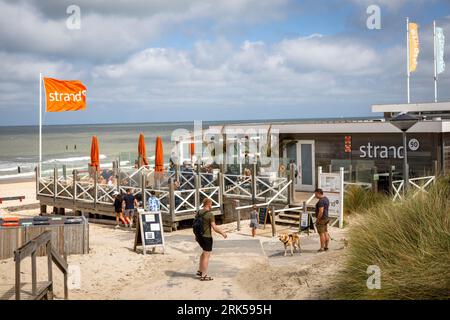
(358,199)
(408,240)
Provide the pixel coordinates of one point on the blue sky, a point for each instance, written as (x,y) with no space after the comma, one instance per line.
(215,60)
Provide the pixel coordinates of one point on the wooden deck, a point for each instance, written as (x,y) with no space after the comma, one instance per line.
(43,289)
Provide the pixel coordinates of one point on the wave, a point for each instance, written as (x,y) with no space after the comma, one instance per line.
(73,159)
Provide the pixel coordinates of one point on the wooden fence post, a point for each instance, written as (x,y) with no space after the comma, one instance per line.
(272,213)
(55,184)
(238,222)
(391,178)
(221,190)
(18,284)
(171,200)
(197,191)
(144,196)
(49,266)
(95,188)
(74,183)
(254,184)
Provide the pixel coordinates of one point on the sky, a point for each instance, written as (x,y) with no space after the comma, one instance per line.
(185,60)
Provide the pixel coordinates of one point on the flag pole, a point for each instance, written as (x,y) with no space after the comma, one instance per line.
(40,124)
(407,58)
(435,62)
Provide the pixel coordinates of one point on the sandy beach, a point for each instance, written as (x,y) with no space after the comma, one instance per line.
(242,267)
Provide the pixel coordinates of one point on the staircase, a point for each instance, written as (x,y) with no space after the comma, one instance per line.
(292,218)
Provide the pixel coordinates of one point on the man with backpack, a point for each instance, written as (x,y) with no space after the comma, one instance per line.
(203,224)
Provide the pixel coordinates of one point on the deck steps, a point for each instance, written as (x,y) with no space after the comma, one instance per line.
(43,290)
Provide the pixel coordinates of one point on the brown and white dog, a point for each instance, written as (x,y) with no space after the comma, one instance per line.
(290,240)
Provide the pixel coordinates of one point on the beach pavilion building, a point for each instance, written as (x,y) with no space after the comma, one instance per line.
(368,149)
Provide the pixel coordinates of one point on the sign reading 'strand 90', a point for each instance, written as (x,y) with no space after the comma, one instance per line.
(374,151)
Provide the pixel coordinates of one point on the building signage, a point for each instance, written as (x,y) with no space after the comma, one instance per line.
(373,151)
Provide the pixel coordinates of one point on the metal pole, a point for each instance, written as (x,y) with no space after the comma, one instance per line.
(407,57)
(435,62)
(40,124)
(405,164)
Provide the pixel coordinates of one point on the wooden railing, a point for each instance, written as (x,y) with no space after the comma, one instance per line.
(177,197)
(30,249)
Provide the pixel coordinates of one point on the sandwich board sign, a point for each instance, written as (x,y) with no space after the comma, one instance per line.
(149,230)
(332,185)
(264,217)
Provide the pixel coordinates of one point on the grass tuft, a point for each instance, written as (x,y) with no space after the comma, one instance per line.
(408,240)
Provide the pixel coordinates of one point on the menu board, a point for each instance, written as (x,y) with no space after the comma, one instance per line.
(150,231)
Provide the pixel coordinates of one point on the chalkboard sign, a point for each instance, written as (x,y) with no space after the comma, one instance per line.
(264,217)
(149,231)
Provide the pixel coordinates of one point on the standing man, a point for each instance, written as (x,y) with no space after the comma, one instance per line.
(129,203)
(322,219)
(205,239)
(153,203)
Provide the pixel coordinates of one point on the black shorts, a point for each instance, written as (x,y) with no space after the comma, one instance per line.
(205,243)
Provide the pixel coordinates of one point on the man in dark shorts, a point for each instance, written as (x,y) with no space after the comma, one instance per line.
(322,219)
(129,203)
(206,240)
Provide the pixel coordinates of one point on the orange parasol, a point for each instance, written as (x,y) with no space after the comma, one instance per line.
(95,154)
(192,148)
(159,155)
(141,149)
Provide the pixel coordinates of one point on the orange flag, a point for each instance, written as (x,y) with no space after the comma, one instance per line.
(64,95)
(414,48)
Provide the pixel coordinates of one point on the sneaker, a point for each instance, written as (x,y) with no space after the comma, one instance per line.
(117,226)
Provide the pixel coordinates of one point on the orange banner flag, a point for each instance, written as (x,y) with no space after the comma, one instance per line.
(64,95)
(413,46)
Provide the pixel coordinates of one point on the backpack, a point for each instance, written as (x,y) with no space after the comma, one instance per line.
(197,225)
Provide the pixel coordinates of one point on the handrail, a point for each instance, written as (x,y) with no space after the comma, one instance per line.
(289,209)
(265,203)
(279,192)
(29,249)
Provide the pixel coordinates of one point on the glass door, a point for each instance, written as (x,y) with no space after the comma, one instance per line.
(306,178)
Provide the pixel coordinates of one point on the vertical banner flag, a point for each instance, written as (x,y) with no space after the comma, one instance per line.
(64,95)
(440,45)
(413,46)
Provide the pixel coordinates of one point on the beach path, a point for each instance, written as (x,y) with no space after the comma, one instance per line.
(242,267)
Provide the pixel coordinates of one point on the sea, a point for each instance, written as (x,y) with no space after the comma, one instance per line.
(70,145)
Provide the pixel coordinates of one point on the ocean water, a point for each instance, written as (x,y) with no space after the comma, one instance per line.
(70,145)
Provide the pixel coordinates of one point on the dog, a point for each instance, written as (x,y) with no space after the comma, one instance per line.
(292,240)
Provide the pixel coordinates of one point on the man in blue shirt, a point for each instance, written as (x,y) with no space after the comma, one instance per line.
(153,202)
(322,219)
